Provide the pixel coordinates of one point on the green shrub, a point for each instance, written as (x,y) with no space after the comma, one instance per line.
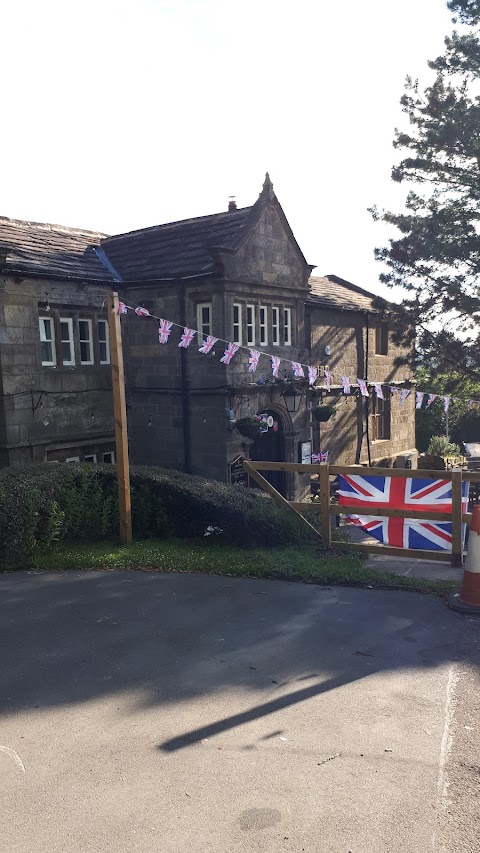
(40,504)
(441,446)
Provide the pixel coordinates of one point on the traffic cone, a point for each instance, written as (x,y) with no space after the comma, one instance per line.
(468,600)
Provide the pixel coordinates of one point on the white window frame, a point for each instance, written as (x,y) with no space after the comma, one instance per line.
(106,341)
(287,327)
(91,458)
(263,325)
(251,325)
(110,453)
(73,459)
(69,322)
(82,340)
(275,326)
(237,326)
(200,325)
(51,340)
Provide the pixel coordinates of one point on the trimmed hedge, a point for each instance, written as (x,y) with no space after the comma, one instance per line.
(40,504)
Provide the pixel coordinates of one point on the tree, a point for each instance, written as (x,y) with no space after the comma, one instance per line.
(463,421)
(436,258)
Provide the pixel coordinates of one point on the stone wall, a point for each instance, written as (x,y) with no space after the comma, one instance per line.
(269,255)
(344,436)
(176,398)
(180,399)
(49,412)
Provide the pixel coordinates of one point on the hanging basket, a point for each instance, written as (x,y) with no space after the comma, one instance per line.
(249,427)
(324,413)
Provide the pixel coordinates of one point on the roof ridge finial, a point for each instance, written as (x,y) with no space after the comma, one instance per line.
(267,189)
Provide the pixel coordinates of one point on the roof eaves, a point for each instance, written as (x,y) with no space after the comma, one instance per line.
(339,306)
(55,275)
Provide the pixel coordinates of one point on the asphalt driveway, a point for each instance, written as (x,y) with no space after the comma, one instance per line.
(148,712)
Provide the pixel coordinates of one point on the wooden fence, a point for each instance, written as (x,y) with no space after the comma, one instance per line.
(326,507)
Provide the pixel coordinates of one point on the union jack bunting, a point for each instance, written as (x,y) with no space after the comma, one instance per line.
(363,387)
(400,493)
(298,371)
(122,308)
(229,353)
(430,399)
(253,360)
(164,330)
(312,375)
(187,337)
(207,344)
(275,365)
(345,384)
(378,390)
(404,394)
(319,457)
(142,312)
(419,395)
(394,389)
(446,403)
(328,379)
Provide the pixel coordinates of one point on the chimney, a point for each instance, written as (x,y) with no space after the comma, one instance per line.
(232,204)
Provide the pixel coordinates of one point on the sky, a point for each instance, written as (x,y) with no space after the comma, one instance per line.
(121,114)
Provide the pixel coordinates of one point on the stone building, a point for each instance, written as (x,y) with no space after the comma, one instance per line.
(55,383)
(238,275)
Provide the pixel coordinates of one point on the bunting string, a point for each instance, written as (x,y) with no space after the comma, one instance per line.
(206,344)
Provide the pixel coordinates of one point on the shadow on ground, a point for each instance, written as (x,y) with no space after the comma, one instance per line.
(73,637)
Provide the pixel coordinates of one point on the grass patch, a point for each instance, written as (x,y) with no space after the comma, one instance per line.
(304,564)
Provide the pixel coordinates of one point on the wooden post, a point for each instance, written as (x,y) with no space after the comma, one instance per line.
(457,513)
(324,493)
(120,417)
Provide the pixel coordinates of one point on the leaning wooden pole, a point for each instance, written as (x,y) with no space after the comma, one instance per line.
(120,417)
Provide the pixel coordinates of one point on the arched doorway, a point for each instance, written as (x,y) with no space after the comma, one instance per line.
(269,446)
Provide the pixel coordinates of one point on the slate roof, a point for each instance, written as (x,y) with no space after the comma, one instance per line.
(176,249)
(330,291)
(51,250)
(163,252)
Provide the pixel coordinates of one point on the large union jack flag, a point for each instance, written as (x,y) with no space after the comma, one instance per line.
(402,493)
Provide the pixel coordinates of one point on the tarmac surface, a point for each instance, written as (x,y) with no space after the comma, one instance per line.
(150,712)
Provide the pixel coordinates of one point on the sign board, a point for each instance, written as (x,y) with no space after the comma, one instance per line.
(305,452)
(237,475)
(264,421)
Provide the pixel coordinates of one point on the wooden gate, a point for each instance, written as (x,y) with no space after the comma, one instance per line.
(326,507)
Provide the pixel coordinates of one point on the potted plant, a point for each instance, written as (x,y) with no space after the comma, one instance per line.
(323,413)
(249,427)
